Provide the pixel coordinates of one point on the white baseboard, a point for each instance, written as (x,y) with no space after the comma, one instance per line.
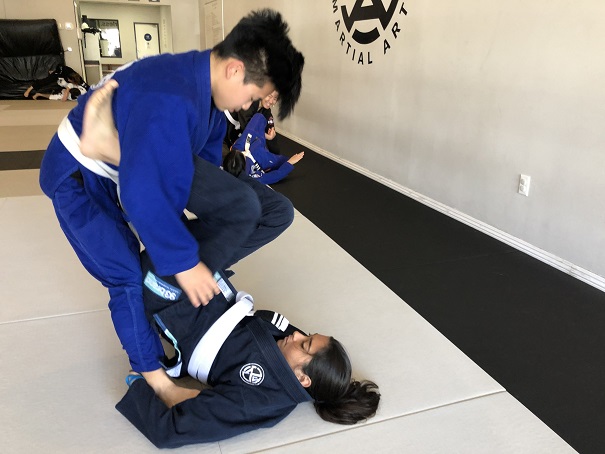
(557,262)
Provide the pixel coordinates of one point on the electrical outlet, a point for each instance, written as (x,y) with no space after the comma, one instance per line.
(524,182)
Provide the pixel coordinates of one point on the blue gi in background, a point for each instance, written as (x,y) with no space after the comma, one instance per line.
(261,164)
(165,117)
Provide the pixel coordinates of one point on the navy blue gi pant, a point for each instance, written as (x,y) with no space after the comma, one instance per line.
(236,220)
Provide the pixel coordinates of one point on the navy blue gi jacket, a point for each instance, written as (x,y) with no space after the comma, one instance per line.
(252,384)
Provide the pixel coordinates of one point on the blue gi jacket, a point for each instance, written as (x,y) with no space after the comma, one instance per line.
(269,168)
(164,114)
(172,93)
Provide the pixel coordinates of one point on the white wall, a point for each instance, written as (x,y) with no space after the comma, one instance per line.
(470,95)
(186,24)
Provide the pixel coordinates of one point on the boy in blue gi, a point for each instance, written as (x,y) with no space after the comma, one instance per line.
(170,125)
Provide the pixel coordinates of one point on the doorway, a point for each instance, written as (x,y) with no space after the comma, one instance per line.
(147,38)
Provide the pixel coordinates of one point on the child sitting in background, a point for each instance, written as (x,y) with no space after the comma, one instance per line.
(237,122)
(71,80)
(249,153)
(67,94)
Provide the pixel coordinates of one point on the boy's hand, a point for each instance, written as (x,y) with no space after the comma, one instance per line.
(199,284)
(270,134)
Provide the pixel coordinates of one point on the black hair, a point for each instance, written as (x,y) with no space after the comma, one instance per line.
(260,40)
(74,93)
(234,162)
(338,397)
(75,78)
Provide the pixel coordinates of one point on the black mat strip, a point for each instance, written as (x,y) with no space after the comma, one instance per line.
(20,160)
(537,331)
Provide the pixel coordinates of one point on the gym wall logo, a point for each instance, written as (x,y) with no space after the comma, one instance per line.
(252,373)
(367,29)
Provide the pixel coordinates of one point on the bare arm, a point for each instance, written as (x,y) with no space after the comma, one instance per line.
(166,390)
(297,157)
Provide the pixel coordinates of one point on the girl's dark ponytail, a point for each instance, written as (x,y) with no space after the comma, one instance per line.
(339,398)
(358,404)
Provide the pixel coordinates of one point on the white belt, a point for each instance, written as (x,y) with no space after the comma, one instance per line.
(207,348)
(71,141)
(247,153)
(232,120)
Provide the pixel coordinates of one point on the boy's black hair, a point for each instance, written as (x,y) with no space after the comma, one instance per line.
(260,40)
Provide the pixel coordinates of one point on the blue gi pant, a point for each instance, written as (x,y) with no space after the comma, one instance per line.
(109,251)
(236,217)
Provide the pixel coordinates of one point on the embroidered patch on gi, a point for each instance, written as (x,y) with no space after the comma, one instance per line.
(252,373)
(161,288)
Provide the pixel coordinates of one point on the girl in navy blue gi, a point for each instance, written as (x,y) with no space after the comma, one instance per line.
(262,370)
(170,126)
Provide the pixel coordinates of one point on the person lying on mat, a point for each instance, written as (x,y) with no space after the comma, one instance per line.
(258,365)
(249,154)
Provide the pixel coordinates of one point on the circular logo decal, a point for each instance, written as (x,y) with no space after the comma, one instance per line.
(147,37)
(368,28)
(252,373)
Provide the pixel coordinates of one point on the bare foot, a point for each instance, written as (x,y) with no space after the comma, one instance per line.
(297,157)
(99,139)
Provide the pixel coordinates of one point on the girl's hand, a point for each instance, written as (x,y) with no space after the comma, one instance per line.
(297,157)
